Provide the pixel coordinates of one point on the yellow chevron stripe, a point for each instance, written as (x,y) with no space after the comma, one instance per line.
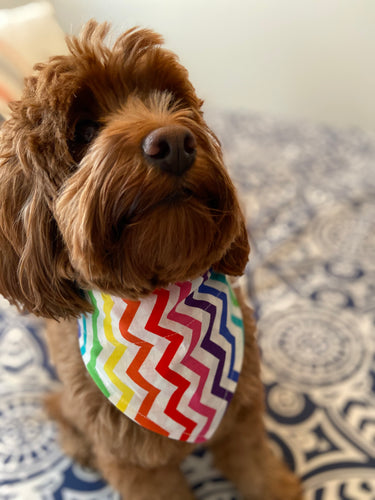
(116,355)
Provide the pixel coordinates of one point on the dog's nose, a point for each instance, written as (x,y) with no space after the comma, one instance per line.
(172,148)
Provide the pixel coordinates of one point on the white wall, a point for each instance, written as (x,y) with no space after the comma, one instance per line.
(295,58)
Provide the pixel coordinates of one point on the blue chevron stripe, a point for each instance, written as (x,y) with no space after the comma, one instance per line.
(233,374)
(83,333)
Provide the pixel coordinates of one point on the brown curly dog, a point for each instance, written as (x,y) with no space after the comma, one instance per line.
(116,209)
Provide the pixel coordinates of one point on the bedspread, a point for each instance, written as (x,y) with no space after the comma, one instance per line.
(308,192)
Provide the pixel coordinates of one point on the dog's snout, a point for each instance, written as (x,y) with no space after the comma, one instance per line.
(171,148)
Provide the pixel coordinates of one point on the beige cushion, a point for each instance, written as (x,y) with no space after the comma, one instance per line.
(28,34)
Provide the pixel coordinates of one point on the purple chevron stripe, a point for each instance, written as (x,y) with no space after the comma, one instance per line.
(224,331)
(212,347)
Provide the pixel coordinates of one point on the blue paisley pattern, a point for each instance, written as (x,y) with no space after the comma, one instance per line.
(309,197)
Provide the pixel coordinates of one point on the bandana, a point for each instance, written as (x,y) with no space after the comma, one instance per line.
(170,361)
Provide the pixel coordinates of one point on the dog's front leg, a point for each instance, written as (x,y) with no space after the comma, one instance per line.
(244,457)
(136,483)
(240,446)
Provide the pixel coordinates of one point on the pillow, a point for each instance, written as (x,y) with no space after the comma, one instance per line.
(28,34)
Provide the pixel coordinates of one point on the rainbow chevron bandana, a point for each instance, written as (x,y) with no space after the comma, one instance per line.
(170,361)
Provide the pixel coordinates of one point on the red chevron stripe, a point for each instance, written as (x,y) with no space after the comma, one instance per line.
(133,369)
(162,367)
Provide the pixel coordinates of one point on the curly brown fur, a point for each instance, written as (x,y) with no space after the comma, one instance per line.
(82,207)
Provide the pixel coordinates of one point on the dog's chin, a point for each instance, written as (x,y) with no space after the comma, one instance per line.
(176,240)
(181,198)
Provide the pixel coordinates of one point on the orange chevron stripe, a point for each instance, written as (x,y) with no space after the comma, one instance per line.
(133,369)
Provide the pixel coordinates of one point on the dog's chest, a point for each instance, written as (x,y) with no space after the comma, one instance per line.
(171,361)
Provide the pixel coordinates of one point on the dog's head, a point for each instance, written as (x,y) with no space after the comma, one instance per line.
(111,179)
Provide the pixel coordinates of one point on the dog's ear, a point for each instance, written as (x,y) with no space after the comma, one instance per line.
(35,273)
(235,259)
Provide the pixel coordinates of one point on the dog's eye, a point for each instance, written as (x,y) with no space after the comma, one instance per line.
(85,131)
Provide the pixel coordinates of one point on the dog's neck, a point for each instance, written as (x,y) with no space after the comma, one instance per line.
(169,361)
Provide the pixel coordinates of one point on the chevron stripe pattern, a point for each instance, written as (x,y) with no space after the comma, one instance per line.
(170,361)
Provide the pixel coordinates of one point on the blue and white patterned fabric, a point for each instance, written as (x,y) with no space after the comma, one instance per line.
(309,197)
